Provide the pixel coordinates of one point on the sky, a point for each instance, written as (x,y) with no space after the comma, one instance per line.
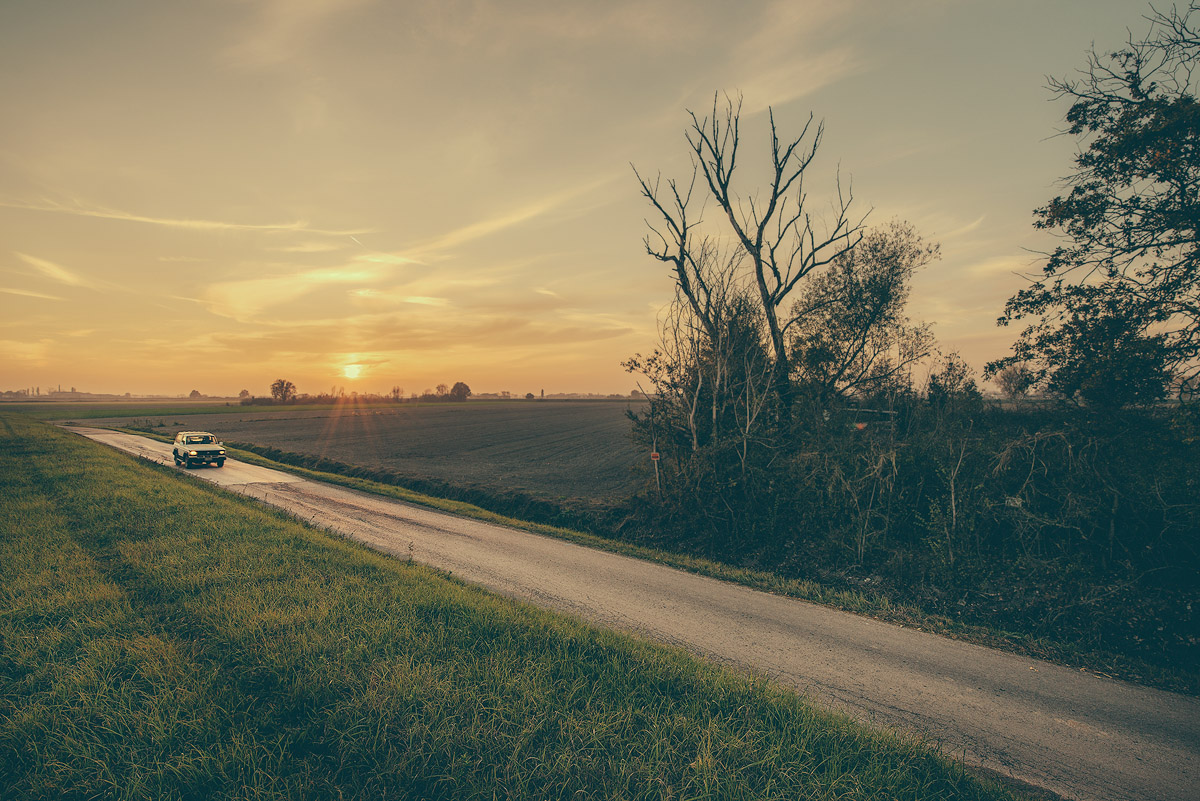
(375,193)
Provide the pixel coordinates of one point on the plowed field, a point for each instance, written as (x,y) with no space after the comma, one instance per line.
(554,450)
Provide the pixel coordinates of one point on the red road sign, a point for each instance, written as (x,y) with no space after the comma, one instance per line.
(654,457)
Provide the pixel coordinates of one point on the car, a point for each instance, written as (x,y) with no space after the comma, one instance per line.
(194,448)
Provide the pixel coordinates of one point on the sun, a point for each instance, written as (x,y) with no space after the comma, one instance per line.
(352,370)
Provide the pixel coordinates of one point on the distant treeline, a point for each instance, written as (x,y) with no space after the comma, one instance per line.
(429,397)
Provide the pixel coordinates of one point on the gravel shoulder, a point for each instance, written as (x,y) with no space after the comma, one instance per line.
(1068,732)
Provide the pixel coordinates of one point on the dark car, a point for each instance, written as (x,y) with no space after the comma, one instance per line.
(194,448)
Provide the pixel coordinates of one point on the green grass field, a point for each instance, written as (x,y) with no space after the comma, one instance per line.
(160,638)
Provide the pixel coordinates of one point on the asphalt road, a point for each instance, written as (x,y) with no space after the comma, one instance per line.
(1069,732)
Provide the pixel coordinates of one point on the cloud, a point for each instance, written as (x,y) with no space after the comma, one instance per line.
(392,335)
(27,352)
(245,300)
(281,29)
(997,266)
(779,84)
(80,210)
(501,222)
(965,229)
(386,258)
(55,272)
(26,293)
(309,247)
(792,53)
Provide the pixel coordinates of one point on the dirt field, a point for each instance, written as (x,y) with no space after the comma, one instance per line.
(555,450)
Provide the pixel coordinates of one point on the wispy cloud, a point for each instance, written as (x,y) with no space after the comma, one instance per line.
(793,52)
(501,222)
(245,300)
(27,352)
(280,29)
(80,210)
(309,247)
(997,266)
(965,229)
(55,272)
(27,294)
(381,333)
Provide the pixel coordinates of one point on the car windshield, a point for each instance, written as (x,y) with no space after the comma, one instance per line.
(200,440)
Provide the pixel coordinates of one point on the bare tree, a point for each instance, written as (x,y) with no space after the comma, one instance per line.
(776,232)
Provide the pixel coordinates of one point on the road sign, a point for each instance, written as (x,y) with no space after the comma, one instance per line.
(654,456)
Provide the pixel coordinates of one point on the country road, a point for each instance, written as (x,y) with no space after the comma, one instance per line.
(1062,730)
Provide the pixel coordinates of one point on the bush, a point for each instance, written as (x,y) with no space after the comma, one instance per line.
(1036,519)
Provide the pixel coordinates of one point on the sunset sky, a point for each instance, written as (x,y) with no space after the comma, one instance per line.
(367,193)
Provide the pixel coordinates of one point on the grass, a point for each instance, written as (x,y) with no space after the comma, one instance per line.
(161,638)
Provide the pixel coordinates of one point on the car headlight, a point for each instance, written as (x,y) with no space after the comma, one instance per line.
(221,452)
(193,453)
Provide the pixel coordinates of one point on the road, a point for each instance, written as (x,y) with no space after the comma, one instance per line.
(1062,730)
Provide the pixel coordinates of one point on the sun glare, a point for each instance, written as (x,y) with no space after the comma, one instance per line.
(352,370)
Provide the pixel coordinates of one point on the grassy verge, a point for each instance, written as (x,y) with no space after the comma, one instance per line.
(874,603)
(160,638)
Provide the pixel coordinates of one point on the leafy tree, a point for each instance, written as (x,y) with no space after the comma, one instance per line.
(245,393)
(1130,267)
(953,381)
(283,391)
(459,392)
(194,394)
(1015,380)
(852,336)
(1107,364)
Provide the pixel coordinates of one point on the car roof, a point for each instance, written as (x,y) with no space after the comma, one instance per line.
(194,434)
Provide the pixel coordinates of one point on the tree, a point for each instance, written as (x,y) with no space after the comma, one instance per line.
(1107,364)
(774,232)
(952,381)
(195,394)
(852,336)
(283,391)
(397,393)
(245,393)
(1130,267)
(443,390)
(1015,380)
(459,392)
